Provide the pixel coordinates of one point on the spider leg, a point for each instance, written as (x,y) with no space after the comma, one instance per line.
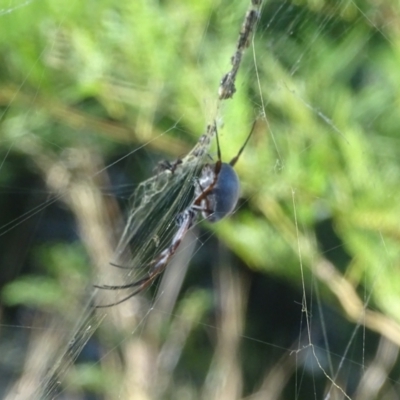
(234,159)
(202,209)
(127,297)
(119,266)
(166,165)
(127,286)
(203,197)
(186,222)
(142,283)
(159,264)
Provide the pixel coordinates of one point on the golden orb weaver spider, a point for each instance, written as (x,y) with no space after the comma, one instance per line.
(215,197)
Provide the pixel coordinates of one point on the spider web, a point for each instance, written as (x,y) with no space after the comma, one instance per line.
(320,182)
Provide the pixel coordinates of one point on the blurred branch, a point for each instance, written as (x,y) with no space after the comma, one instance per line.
(79,120)
(224,379)
(76,182)
(354,307)
(326,272)
(43,344)
(375,375)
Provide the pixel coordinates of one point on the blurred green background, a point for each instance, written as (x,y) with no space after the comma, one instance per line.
(296,295)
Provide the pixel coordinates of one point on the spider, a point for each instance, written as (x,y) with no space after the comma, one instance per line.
(215,197)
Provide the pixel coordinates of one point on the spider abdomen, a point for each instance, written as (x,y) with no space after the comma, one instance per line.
(225,194)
